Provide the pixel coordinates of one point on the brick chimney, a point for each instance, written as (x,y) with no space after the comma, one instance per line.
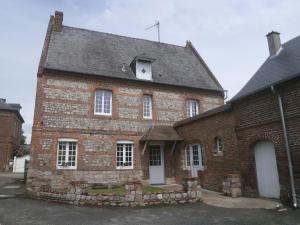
(58,19)
(273,42)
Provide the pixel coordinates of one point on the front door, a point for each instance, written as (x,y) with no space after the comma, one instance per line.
(266,170)
(194,159)
(156,164)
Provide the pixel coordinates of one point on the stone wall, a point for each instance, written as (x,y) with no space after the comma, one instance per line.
(65,109)
(132,198)
(62,178)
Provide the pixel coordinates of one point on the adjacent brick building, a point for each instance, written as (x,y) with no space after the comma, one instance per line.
(105,106)
(247,135)
(10,132)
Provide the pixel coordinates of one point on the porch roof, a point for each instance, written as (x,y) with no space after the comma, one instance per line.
(161,133)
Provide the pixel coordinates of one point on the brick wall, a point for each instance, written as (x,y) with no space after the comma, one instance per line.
(250,120)
(65,109)
(204,131)
(259,120)
(10,134)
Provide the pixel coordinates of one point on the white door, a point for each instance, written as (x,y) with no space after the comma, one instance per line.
(194,159)
(156,164)
(266,170)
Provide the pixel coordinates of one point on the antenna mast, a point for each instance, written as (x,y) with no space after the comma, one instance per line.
(155,25)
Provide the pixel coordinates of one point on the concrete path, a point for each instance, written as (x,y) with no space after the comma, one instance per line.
(11,185)
(219,200)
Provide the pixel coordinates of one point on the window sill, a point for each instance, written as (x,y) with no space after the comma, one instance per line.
(66,168)
(147,118)
(124,168)
(102,114)
(218,154)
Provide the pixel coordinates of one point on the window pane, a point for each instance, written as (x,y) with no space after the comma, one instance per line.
(192,108)
(187,152)
(195,155)
(124,154)
(66,153)
(103,102)
(147,106)
(98,101)
(61,153)
(119,155)
(155,156)
(107,100)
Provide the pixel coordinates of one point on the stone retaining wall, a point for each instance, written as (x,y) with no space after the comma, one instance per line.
(132,198)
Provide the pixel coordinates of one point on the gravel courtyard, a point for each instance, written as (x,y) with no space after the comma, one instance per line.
(14,211)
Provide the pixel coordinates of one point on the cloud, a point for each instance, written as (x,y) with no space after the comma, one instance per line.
(229,34)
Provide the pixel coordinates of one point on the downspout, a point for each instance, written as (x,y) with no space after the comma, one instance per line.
(287,146)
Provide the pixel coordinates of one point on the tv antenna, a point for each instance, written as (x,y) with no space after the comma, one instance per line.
(155,25)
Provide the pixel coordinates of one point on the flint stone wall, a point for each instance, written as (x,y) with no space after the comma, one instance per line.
(61,178)
(132,198)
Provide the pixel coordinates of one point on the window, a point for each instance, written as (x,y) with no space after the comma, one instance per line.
(125,155)
(193,156)
(192,107)
(218,146)
(143,70)
(103,102)
(147,107)
(155,155)
(67,154)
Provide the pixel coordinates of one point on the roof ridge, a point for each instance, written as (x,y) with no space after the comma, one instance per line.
(123,36)
(288,54)
(206,67)
(291,40)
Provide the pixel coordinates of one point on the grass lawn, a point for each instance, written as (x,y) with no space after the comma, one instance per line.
(120,190)
(152,189)
(117,190)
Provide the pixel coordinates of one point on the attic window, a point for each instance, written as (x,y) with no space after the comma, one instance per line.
(141,66)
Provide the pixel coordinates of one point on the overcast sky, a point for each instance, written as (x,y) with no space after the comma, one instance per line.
(229,35)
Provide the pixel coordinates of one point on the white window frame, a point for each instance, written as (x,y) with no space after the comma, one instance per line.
(67,153)
(124,155)
(102,106)
(189,107)
(217,146)
(141,63)
(149,97)
(189,148)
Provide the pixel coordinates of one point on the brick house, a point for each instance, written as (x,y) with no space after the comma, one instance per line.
(10,132)
(256,134)
(106,105)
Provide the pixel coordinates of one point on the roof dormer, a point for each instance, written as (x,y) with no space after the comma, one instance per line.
(141,66)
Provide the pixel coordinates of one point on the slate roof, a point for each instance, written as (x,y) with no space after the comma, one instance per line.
(97,53)
(11,107)
(161,133)
(276,69)
(204,115)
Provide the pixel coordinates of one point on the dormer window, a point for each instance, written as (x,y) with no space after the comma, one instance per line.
(141,66)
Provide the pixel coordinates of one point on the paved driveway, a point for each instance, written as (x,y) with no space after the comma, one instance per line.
(22,211)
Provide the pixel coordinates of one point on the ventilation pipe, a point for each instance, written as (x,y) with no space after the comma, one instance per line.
(287,146)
